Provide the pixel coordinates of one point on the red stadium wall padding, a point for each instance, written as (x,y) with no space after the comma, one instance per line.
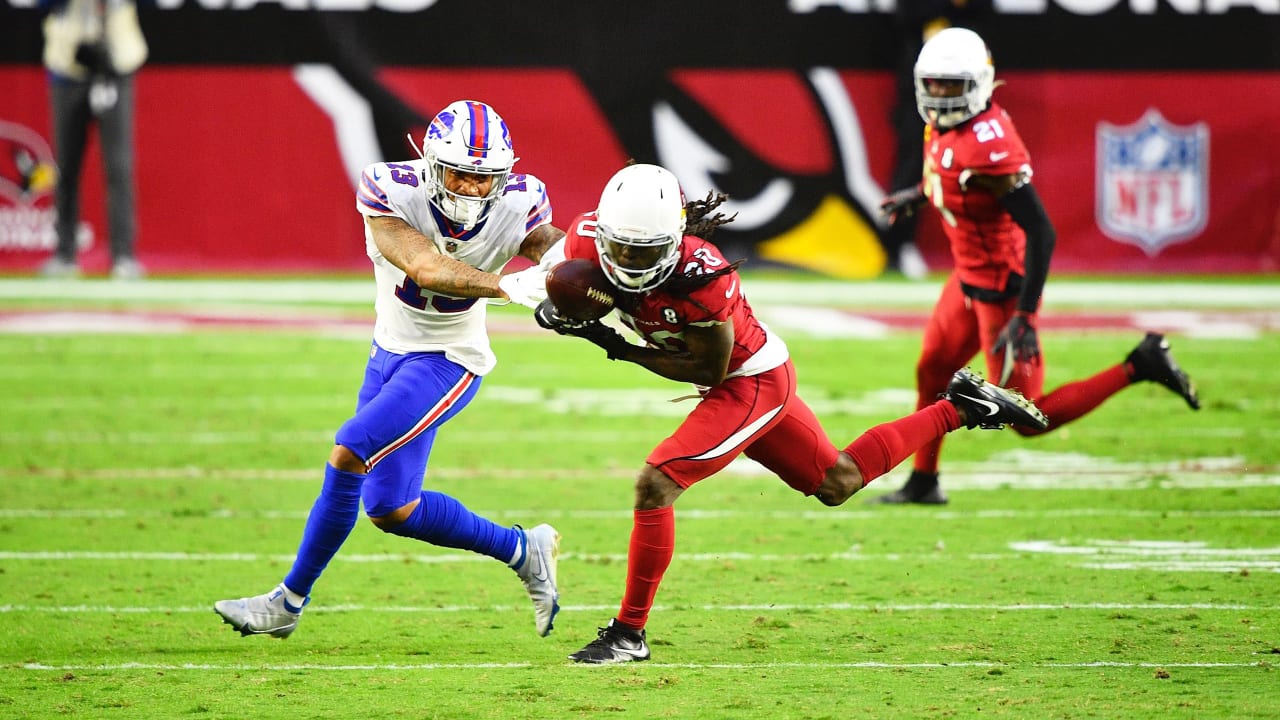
(240,168)
(1059,114)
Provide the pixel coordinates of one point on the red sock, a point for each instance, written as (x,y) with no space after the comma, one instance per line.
(883,447)
(1079,398)
(653,542)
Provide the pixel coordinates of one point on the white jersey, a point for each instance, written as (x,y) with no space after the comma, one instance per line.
(411,319)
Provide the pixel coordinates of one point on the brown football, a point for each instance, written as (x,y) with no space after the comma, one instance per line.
(579,289)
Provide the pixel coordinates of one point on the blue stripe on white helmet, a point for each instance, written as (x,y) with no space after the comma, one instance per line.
(467,137)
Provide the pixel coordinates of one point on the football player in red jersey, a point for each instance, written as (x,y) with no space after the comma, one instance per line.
(977,175)
(685,301)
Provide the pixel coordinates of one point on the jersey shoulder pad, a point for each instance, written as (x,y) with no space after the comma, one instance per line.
(990,145)
(699,257)
(530,194)
(372,196)
(580,239)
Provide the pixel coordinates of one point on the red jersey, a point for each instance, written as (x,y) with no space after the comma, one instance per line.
(986,244)
(660,318)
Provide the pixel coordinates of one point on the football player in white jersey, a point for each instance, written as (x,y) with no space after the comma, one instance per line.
(439,231)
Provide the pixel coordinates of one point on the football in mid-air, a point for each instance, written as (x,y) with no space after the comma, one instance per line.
(579,290)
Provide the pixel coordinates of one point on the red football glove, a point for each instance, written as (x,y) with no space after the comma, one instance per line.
(902,203)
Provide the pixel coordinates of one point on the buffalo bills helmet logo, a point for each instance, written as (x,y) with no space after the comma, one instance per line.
(441,125)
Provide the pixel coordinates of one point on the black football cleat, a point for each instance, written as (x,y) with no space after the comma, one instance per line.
(921,488)
(616,643)
(1151,360)
(991,407)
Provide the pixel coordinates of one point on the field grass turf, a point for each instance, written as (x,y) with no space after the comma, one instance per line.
(1127,566)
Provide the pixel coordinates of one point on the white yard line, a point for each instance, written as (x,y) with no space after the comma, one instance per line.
(771,607)
(403,667)
(1222,560)
(685,514)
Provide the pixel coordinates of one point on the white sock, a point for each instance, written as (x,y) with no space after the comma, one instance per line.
(293,598)
(521,547)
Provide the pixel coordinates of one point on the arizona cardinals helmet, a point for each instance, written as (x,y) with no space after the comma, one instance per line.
(640,225)
(468,137)
(954,54)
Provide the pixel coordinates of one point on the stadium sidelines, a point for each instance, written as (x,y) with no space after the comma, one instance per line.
(819,308)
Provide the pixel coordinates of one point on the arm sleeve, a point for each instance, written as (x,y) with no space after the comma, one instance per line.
(1024,206)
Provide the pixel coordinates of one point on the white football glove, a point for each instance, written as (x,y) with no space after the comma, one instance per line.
(527,287)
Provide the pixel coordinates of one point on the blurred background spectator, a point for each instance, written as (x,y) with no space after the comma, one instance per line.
(92,48)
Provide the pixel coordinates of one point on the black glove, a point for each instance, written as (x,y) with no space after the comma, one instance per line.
(902,203)
(94,58)
(548,317)
(1018,342)
(615,346)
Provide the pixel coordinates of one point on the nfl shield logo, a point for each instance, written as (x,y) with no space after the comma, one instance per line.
(1153,181)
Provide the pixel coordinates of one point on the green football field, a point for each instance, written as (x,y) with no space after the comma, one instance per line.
(161,444)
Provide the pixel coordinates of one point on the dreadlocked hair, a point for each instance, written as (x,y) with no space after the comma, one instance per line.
(700,221)
(697,215)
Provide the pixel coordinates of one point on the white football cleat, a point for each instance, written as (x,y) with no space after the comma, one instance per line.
(537,570)
(266,614)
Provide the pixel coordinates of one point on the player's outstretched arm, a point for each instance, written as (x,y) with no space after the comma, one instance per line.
(418,257)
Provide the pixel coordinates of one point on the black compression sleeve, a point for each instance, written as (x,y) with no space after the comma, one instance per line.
(1023,204)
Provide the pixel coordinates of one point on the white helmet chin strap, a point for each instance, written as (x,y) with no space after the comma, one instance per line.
(415,147)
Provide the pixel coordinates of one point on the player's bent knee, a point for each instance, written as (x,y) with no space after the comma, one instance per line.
(655,490)
(394,519)
(840,482)
(832,494)
(384,524)
(343,459)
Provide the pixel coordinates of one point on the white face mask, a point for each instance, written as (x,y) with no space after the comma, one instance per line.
(465,210)
(665,251)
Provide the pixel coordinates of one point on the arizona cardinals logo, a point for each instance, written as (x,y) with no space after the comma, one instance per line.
(27,177)
(27,169)
(813,203)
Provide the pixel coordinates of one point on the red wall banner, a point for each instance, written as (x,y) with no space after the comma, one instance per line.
(248,169)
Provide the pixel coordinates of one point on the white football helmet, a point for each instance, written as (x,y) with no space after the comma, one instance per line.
(954,54)
(468,136)
(640,225)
